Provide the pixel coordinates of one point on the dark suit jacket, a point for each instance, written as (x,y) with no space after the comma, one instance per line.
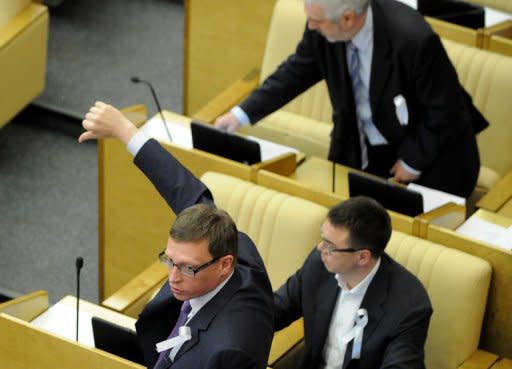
(398,308)
(235,328)
(408,59)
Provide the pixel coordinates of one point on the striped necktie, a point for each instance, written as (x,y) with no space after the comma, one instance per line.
(163,359)
(360,98)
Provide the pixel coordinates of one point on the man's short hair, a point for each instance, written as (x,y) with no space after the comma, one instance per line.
(202,221)
(367,222)
(335,8)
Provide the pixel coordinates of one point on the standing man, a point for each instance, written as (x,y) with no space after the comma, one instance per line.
(217,285)
(398,107)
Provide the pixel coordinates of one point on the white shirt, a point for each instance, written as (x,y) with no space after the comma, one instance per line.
(343,318)
(197,304)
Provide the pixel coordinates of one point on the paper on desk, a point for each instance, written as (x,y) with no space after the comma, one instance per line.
(270,150)
(180,133)
(488,232)
(60,319)
(493,16)
(432,199)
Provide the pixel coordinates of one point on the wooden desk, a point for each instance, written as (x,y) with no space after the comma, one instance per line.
(317,174)
(23,345)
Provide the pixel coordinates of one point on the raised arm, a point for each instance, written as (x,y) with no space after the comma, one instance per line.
(174,182)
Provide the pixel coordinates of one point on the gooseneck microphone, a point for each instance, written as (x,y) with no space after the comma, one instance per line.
(136,79)
(79,264)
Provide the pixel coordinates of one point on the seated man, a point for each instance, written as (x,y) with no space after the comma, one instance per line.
(361,309)
(216,276)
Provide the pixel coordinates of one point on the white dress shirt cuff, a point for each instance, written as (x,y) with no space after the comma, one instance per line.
(410,169)
(136,142)
(240,115)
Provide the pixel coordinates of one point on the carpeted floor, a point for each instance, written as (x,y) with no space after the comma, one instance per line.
(48,182)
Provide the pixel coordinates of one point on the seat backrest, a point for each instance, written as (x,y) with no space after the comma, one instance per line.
(284,228)
(487,77)
(457,284)
(286,29)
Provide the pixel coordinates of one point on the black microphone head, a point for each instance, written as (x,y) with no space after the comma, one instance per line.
(135,79)
(79,262)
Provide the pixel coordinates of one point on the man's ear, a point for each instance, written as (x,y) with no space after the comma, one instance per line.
(226,263)
(347,19)
(365,257)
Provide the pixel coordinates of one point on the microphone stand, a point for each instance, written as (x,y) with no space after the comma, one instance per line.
(155,98)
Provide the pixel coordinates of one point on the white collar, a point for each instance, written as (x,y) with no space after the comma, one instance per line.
(361,287)
(197,303)
(362,39)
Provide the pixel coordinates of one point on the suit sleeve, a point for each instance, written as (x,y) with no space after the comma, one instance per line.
(405,349)
(174,182)
(288,298)
(438,91)
(232,358)
(295,75)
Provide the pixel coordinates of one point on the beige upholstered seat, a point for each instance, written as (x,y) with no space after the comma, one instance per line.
(457,284)
(284,228)
(23,47)
(488,79)
(306,121)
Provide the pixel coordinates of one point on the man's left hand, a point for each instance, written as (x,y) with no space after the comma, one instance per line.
(401,175)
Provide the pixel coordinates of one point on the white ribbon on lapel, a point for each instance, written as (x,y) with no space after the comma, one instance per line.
(183,336)
(356,333)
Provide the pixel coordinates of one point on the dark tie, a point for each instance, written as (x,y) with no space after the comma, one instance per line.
(163,359)
(360,99)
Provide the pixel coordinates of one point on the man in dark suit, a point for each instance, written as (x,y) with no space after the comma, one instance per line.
(349,282)
(398,107)
(214,270)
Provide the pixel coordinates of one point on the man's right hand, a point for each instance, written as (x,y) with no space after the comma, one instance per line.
(227,122)
(104,121)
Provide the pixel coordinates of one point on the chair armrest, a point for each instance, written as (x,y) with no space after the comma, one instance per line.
(284,164)
(285,339)
(26,307)
(228,98)
(133,296)
(449,216)
(479,360)
(498,195)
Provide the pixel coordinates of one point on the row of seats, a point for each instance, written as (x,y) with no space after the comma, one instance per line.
(285,235)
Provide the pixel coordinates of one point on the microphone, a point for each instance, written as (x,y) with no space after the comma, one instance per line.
(333,176)
(136,79)
(79,264)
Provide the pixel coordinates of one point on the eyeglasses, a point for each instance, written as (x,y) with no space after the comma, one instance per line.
(187,270)
(330,248)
